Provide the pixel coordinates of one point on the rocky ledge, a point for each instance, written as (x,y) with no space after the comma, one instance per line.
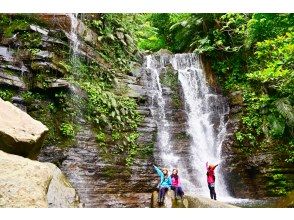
(187,202)
(19,133)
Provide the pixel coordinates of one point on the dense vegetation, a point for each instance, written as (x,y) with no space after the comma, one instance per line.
(96,95)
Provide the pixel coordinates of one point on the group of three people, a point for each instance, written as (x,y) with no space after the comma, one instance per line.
(173,182)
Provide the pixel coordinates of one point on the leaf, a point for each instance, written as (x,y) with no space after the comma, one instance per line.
(113,102)
(285,108)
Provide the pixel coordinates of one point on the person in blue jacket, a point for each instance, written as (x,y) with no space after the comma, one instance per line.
(164,184)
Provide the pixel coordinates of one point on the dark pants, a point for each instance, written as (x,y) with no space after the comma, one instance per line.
(212,191)
(178,191)
(162,191)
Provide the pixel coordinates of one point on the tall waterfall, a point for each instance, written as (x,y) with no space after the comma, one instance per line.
(205,121)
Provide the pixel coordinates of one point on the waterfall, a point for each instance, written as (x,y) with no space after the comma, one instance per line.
(73,34)
(205,122)
(74,42)
(158,111)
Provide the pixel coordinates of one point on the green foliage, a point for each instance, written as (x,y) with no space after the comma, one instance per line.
(67,130)
(116,33)
(277,185)
(101,137)
(109,110)
(115,115)
(132,147)
(28,97)
(265,26)
(289,150)
(11,26)
(6,94)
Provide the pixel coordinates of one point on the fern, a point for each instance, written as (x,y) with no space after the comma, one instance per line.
(285,108)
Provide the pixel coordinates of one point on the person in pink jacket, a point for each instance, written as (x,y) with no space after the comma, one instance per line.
(176,184)
(211,179)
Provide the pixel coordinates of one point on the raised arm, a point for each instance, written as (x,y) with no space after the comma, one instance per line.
(159,172)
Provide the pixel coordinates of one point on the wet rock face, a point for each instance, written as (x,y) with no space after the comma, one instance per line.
(249,176)
(209,75)
(25,183)
(60,193)
(13,81)
(20,133)
(101,184)
(26,65)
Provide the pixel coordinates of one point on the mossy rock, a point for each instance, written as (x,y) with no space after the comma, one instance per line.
(286,202)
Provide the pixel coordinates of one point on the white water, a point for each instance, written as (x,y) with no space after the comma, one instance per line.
(205,124)
(158,111)
(73,34)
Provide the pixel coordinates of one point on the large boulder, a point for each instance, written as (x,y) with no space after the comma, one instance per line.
(27,183)
(169,201)
(19,132)
(187,202)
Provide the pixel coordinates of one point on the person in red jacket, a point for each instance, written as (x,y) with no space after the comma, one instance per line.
(211,179)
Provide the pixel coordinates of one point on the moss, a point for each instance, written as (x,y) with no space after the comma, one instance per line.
(146,150)
(170,79)
(30,39)
(54,111)
(7,93)
(176,100)
(9,72)
(182,136)
(277,184)
(110,171)
(13,26)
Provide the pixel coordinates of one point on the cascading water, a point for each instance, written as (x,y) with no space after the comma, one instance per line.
(158,111)
(206,124)
(73,34)
(206,113)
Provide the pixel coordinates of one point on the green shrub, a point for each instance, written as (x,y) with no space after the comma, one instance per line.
(101,137)
(277,185)
(67,130)
(6,94)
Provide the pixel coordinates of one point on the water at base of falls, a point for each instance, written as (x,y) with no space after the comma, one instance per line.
(205,122)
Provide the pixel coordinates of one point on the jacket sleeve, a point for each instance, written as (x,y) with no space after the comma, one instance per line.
(170,181)
(215,166)
(159,172)
(179,182)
